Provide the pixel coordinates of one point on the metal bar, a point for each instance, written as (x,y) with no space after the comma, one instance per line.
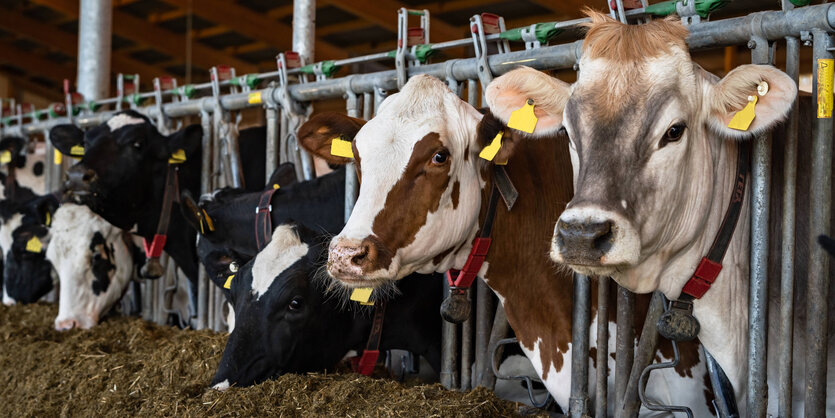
(498,332)
(205,186)
(602,373)
(484,313)
(819,222)
(625,344)
(351,182)
(578,403)
(467,334)
(643,357)
(449,345)
(304,26)
(95,22)
(758,288)
(271,113)
(788,240)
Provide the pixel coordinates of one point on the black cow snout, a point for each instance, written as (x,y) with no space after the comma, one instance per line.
(78,179)
(585,241)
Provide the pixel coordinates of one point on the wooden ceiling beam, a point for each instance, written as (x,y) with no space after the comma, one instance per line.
(256,26)
(35,64)
(344,27)
(22,83)
(384,14)
(139,30)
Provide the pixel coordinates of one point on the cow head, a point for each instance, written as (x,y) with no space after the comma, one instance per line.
(94,265)
(27,273)
(646,126)
(123,163)
(420,190)
(282,323)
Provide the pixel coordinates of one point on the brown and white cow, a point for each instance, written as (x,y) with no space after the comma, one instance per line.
(420,205)
(655,168)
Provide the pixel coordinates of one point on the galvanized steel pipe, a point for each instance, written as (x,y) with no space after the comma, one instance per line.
(602,355)
(304,26)
(643,357)
(819,223)
(95,22)
(625,343)
(578,403)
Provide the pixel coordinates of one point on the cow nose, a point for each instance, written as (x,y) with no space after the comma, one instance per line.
(362,255)
(591,239)
(79,179)
(66,324)
(354,258)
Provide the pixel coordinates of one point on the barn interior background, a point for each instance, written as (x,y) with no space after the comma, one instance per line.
(176,53)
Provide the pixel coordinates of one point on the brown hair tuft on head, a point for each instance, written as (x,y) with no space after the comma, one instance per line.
(608,38)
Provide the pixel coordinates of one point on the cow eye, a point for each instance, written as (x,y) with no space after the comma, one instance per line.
(440,157)
(295,304)
(137,144)
(674,133)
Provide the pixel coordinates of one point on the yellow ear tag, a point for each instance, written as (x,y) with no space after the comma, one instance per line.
(48,220)
(276,186)
(361,295)
(177,157)
(209,222)
(341,148)
(5,157)
(228,284)
(489,152)
(57,157)
(77,151)
(34,245)
(742,119)
(523,119)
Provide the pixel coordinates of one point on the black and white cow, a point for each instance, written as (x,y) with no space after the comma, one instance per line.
(287,322)
(26,162)
(95,262)
(122,175)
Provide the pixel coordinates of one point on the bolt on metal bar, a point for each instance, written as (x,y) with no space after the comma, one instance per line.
(819,222)
(602,355)
(758,288)
(788,239)
(625,343)
(578,403)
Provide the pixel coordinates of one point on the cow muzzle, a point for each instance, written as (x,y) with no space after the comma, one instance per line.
(356,262)
(594,241)
(78,181)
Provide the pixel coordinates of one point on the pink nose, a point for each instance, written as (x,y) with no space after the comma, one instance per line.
(353,259)
(66,324)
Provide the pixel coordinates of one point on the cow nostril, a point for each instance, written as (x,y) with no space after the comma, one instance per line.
(361,255)
(604,236)
(88,176)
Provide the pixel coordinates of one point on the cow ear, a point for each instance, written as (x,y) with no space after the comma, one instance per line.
(66,136)
(732,93)
(283,176)
(45,209)
(187,139)
(217,267)
(318,133)
(524,86)
(13,145)
(195,215)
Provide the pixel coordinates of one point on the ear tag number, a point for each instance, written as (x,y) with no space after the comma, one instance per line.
(361,295)
(177,157)
(489,152)
(341,148)
(5,157)
(34,245)
(77,151)
(742,119)
(228,284)
(57,157)
(523,119)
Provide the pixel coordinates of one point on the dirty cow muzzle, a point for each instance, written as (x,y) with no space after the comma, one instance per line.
(357,262)
(79,179)
(594,241)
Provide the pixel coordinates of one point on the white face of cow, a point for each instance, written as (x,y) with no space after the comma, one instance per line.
(420,187)
(649,143)
(93,262)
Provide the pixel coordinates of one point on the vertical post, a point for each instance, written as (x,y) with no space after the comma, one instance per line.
(304,26)
(485,306)
(578,403)
(497,332)
(643,357)
(758,292)
(351,183)
(95,22)
(602,372)
(625,344)
(449,343)
(271,110)
(467,348)
(819,222)
(787,260)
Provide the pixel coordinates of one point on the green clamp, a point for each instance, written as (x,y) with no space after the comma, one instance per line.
(422,52)
(134,98)
(703,7)
(249,80)
(800,3)
(329,68)
(187,91)
(93,106)
(543,32)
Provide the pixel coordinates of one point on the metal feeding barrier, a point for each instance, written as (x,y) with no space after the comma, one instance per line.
(468,349)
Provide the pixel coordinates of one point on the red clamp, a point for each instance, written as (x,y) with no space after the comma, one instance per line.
(154,250)
(702,278)
(364,364)
(465,277)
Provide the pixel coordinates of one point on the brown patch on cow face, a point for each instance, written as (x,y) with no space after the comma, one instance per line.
(454,194)
(608,38)
(415,195)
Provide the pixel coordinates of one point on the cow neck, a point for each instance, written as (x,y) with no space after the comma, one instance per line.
(532,291)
